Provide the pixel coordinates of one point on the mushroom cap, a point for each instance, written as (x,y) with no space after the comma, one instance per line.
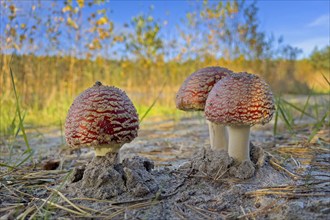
(193,92)
(240,99)
(101,115)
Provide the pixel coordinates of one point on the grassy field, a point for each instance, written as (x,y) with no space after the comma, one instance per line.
(46,86)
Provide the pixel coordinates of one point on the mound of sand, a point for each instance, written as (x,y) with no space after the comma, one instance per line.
(103,178)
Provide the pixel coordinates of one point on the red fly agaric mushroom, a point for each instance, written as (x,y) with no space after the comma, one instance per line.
(192,96)
(240,101)
(102,117)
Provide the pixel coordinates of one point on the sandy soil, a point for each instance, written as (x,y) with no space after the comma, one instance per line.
(169,173)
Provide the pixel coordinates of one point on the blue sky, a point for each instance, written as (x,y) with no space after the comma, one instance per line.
(304,24)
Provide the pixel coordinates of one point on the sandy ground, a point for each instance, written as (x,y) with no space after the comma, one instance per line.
(175,176)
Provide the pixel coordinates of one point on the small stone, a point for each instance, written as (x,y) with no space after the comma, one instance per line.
(244,170)
(298,204)
(51,165)
(185,165)
(135,184)
(325,211)
(257,155)
(139,162)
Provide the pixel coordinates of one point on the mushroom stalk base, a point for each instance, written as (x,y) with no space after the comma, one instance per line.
(218,136)
(239,142)
(101,151)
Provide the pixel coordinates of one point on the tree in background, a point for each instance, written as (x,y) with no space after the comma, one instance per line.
(320,59)
(144,41)
(225,29)
(144,45)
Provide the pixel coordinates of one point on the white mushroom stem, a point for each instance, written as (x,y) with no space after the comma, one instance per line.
(218,136)
(238,143)
(102,150)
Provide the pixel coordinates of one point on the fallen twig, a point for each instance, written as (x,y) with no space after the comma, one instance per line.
(263,210)
(273,163)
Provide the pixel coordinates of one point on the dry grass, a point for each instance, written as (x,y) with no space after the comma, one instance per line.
(29,192)
(313,189)
(46,86)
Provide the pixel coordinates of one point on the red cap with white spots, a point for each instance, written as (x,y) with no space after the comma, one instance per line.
(240,99)
(101,115)
(195,89)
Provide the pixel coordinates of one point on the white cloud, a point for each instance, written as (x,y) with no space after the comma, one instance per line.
(308,45)
(322,21)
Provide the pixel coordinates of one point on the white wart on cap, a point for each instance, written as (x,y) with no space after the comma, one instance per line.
(240,101)
(102,117)
(192,96)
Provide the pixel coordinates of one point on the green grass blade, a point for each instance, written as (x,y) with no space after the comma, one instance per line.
(302,111)
(306,105)
(288,113)
(317,127)
(326,79)
(153,104)
(30,153)
(12,126)
(316,109)
(149,109)
(19,112)
(6,165)
(62,133)
(275,121)
(284,116)
(19,128)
